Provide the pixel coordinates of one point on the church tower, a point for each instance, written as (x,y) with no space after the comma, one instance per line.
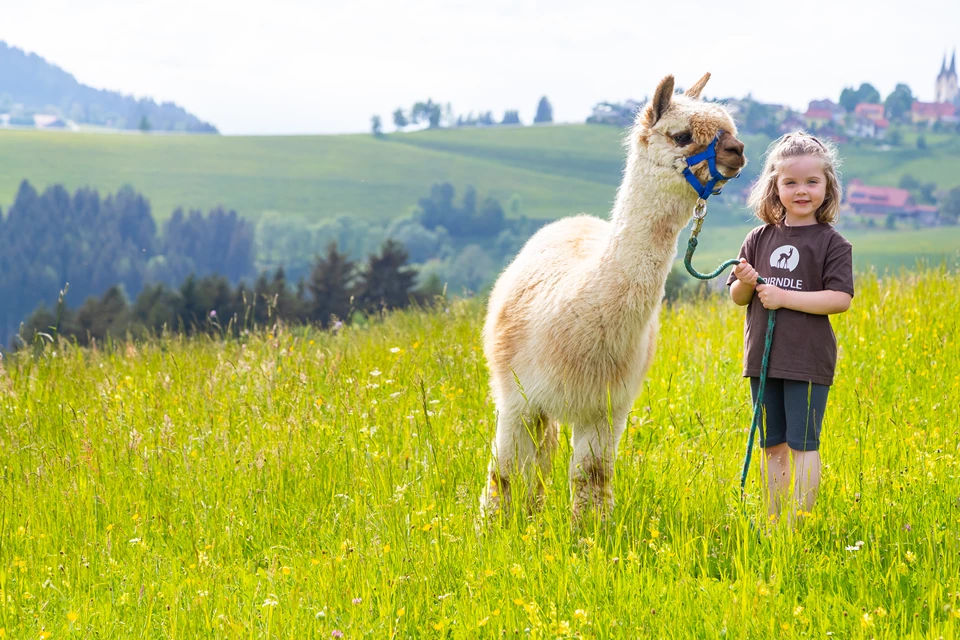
(947,89)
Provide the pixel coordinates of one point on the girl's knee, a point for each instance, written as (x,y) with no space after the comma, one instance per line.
(777,450)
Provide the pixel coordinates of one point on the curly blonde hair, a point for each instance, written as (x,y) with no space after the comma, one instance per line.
(764,199)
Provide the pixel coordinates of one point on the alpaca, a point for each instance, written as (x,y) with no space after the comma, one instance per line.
(572,322)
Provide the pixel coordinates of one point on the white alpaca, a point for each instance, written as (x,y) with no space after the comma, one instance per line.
(571,324)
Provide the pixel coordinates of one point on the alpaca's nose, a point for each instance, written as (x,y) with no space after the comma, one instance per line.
(730,151)
(733,146)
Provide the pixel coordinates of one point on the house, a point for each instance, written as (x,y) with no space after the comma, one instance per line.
(823,112)
(48,121)
(817,118)
(865,127)
(931,112)
(879,202)
(869,111)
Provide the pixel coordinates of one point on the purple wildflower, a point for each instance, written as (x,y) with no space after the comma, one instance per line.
(213,313)
(337,633)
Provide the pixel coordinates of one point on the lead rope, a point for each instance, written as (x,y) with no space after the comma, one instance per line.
(699,213)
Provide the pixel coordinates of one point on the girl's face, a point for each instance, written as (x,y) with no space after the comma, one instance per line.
(801,186)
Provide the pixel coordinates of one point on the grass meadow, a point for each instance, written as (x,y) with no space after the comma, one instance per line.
(296,484)
(555,170)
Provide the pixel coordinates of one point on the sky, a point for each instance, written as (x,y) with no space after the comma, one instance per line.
(297,67)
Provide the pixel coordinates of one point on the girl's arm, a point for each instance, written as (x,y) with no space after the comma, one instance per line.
(741,289)
(819,303)
(741,292)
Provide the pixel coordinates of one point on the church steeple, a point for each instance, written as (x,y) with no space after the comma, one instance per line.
(953,63)
(943,66)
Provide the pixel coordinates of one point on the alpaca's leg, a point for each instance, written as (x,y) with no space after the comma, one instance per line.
(591,468)
(514,454)
(547,447)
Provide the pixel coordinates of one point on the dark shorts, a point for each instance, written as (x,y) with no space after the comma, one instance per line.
(793,412)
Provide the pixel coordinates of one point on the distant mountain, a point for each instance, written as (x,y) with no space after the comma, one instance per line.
(30,85)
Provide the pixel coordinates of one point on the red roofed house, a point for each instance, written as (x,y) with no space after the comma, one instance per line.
(816,118)
(869,111)
(868,121)
(879,202)
(822,112)
(930,112)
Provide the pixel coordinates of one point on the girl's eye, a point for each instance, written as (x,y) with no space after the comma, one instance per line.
(683,139)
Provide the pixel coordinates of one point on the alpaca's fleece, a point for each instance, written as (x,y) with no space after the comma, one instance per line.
(571,324)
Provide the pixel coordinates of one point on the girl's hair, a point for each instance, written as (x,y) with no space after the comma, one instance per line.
(764,199)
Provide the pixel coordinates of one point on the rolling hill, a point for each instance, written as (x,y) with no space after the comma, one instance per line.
(29,84)
(555,170)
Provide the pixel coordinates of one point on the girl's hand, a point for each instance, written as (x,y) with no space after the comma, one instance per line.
(746,273)
(771,297)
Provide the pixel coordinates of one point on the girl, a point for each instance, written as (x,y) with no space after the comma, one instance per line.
(808,268)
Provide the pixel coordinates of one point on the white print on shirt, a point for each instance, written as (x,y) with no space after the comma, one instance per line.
(786,257)
(785,283)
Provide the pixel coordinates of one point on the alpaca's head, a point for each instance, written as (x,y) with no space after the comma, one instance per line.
(674,127)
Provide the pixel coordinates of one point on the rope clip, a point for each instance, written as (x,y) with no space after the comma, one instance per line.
(700,209)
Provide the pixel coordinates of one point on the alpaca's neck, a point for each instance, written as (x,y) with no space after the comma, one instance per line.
(650,211)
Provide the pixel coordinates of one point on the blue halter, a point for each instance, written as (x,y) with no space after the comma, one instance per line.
(710,155)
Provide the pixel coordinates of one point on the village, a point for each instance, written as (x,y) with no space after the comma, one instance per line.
(880,124)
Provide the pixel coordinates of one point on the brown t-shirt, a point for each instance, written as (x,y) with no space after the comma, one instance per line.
(809,258)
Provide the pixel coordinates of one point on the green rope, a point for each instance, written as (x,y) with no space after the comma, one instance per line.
(700,213)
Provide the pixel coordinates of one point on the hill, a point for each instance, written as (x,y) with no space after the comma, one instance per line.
(555,171)
(325,485)
(29,84)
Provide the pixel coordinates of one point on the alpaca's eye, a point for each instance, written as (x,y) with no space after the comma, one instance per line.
(683,139)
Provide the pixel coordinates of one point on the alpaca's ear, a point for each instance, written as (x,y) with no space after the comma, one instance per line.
(694,91)
(661,101)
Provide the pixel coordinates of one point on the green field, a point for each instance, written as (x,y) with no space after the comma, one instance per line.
(556,170)
(311,177)
(880,250)
(304,485)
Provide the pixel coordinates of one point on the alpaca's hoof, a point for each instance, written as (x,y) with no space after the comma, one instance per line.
(593,499)
(492,502)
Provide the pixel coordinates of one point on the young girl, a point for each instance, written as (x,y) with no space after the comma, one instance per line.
(808,268)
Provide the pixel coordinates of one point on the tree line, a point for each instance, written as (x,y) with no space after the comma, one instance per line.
(461,238)
(441,116)
(337,291)
(94,243)
(128,277)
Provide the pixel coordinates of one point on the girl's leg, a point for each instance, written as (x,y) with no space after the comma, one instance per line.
(773,440)
(778,478)
(805,404)
(807,479)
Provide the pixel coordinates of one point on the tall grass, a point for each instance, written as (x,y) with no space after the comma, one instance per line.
(295,484)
